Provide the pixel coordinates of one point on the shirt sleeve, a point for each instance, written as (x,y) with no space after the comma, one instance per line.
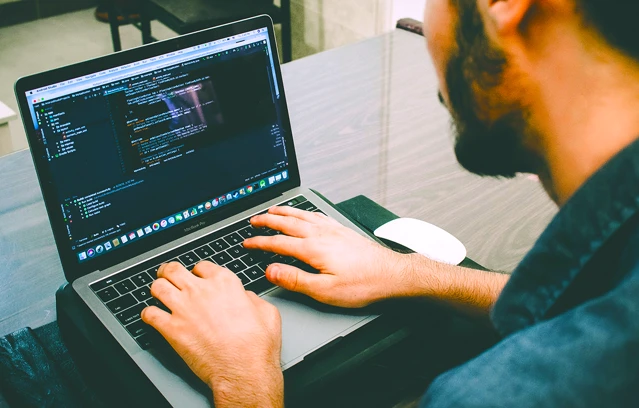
(586,357)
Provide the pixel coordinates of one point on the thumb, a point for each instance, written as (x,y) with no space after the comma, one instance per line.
(294,279)
(156,318)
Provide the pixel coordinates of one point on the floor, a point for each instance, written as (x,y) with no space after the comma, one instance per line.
(30,47)
(45,44)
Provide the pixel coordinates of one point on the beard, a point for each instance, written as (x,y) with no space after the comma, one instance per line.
(489,134)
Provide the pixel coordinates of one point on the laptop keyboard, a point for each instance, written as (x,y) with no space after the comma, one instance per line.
(128,292)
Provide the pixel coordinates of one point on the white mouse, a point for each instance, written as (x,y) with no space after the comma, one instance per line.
(423,238)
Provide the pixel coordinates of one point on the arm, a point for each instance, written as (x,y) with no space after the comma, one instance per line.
(355,272)
(471,290)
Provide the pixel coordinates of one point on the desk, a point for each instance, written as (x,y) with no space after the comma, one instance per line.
(366,120)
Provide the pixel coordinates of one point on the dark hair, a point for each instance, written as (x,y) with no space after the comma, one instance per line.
(616,20)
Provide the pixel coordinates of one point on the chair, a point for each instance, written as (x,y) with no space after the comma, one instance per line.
(411,25)
(187,16)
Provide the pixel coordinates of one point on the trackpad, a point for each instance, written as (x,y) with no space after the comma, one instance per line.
(308,324)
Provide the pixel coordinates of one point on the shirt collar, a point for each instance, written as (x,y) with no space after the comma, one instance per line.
(590,218)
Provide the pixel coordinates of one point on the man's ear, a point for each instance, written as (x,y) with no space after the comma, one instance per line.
(507,16)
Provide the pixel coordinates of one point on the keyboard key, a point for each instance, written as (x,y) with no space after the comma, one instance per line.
(290,203)
(153,272)
(260,232)
(121,303)
(253,257)
(204,252)
(125,286)
(243,278)
(237,251)
(188,258)
(142,279)
(254,273)
(154,302)
(282,259)
(259,285)
(131,314)
(234,239)
(236,266)
(108,294)
(138,328)
(149,339)
(222,258)
(142,294)
(306,206)
(219,245)
(110,280)
(247,232)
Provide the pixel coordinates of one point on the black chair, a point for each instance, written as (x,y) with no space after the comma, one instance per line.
(411,25)
(187,16)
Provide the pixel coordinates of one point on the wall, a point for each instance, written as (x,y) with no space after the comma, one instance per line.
(320,25)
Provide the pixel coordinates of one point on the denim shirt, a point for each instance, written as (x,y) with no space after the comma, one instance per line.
(569,315)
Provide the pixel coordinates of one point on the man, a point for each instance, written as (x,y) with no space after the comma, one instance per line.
(549,87)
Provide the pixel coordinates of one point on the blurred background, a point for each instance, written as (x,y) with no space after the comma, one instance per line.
(38,35)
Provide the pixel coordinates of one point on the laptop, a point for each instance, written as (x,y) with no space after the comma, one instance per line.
(163,153)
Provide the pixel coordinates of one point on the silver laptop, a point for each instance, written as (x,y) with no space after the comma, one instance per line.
(163,153)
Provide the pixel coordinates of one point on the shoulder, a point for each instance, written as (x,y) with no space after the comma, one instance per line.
(586,357)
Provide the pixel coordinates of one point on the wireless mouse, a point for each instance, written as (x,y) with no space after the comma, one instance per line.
(423,238)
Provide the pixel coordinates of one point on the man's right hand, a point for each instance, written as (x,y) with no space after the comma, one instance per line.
(354,271)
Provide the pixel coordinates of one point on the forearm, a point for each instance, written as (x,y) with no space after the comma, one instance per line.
(472,290)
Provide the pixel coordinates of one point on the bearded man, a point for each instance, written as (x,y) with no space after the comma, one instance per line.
(549,87)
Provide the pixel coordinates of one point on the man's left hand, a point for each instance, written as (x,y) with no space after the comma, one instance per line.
(229,337)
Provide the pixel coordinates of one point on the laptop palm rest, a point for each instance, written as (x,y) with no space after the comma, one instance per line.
(307,325)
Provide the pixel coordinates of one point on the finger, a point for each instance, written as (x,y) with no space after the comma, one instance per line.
(294,212)
(296,280)
(222,278)
(166,292)
(312,217)
(292,226)
(156,318)
(280,244)
(177,274)
(206,269)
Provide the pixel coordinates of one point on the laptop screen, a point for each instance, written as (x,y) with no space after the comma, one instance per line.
(144,147)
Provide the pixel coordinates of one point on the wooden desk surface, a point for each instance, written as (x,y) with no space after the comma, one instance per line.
(366,120)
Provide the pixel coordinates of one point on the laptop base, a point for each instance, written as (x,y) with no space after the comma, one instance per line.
(415,333)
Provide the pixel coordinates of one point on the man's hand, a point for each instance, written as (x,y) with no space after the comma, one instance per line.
(229,337)
(354,271)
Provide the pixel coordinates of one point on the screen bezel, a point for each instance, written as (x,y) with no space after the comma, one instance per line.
(71,267)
